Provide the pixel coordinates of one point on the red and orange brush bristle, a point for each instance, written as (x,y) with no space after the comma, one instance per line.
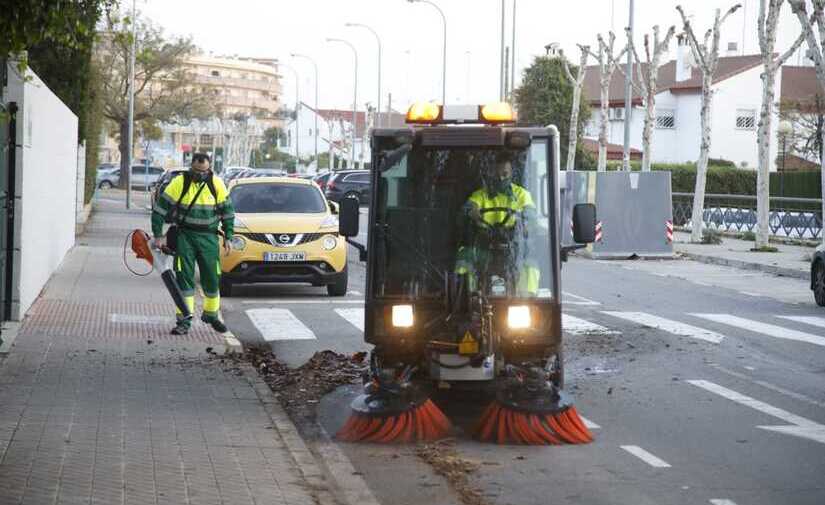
(530,409)
(393,410)
(504,425)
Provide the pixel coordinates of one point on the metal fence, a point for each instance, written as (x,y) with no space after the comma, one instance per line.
(798,218)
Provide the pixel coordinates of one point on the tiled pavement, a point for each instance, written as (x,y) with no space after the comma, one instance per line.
(99,405)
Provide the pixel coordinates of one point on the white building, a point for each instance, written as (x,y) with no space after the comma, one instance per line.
(737,99)
(334,129)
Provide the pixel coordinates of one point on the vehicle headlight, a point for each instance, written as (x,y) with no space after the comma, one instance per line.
(402,316)
(329,222)
(238,243)
(330,242)
(518,317)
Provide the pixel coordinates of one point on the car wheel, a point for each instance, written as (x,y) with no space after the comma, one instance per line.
(105,185)
(819,283)
(339,287)
(353,194)
(226,288)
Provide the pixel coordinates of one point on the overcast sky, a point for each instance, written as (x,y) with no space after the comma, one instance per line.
(412,38)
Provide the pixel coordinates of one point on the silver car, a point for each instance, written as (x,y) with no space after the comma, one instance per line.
(142,176)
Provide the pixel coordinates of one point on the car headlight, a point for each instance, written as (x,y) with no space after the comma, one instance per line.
(402,316)
(329,222)
(238,243)
(330,242)
(518,317)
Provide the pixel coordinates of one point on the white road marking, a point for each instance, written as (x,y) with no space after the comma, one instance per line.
(746,293)
(764,328)
(355,293)
(590,425)
(354,316)
(751,368)
(722,502)
(279,324)
(772,387)
(800,426)
(293,301)
(579,300)
(139,319)
(669,326)
(645,456)
(578,326)
(811,320)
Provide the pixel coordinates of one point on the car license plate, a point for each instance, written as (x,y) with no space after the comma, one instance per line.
(285,256)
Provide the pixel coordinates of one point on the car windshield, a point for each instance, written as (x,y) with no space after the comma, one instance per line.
(274,197)
(428,233)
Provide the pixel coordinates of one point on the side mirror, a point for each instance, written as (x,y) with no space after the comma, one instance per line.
(584,223)
(348,217)
(333,208)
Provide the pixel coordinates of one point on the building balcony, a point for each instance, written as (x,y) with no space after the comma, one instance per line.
(273,87)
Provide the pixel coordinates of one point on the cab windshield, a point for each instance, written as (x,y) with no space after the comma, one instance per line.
(461,213)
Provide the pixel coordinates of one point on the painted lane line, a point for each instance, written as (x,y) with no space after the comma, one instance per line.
(645,456)
(590,425)
(669,326)
(579,300)
(578,326)
(800,426)
(763,328)
(279,324)
(354,317)
(810,320)
(768,385)
(718,501)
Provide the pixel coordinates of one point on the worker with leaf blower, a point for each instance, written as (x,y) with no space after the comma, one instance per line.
(196,205)
(501,214)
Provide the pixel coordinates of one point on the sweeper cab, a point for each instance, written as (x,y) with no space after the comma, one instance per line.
(463,285)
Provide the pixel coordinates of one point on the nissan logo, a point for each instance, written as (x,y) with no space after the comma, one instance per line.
(284,239)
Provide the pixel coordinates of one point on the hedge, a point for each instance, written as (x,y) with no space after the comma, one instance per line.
(728,180)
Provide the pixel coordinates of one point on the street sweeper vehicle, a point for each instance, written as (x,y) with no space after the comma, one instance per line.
(463,278)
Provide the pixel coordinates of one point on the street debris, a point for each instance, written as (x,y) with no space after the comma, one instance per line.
(445,460)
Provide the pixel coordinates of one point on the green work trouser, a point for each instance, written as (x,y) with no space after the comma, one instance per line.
(469,259)
(201,248)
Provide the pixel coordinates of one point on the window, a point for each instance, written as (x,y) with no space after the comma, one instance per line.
(745,119)
(665,119)
(215,73)
(359,178)
(310,131)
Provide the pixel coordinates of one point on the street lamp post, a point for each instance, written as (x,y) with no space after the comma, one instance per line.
(628,95)
(314,64)
(131,133)
(297,114)
(444,50)
(354,99)
(378,39)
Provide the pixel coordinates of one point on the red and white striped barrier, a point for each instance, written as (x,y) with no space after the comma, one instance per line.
(669,231)
(599,231)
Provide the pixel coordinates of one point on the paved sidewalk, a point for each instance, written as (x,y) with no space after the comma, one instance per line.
(100,405)
(789,261)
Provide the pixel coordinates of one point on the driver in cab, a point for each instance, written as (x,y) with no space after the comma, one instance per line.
(500,211)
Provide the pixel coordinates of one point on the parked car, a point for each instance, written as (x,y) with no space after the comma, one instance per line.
(107,167)
(141,177)
(229,172)
(163,181)
(322,179)
(285,231)
(818,275)
(349,184)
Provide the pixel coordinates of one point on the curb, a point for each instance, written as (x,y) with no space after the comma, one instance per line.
(746,265)
(300,453)
(9,334)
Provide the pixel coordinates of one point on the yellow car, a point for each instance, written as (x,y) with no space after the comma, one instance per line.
(285,231)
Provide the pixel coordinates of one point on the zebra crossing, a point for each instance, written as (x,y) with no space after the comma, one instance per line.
(278,324)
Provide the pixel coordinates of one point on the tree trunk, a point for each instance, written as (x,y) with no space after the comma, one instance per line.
(702,164)
(822,185)
(763,177)
(123,147)
(647,132)
(605,94)
(574,123)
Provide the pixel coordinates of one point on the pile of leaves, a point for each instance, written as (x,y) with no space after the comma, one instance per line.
(445,460)
(300,389)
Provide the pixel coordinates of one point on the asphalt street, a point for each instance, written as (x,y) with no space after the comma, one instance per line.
(706,384)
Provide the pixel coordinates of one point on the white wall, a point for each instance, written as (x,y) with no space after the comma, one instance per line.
(743,91)
(306,141)
(46,185)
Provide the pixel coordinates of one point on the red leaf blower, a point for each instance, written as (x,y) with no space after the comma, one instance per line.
(141,246)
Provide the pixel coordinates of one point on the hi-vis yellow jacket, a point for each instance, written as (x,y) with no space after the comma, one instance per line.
(207,213)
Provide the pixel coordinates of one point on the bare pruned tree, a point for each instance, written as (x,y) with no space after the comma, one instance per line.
(608,63)
(706,55)
(648,76)
(816,51)
(578,83)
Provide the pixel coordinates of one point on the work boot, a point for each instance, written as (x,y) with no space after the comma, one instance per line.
(215,323)
(182,327)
